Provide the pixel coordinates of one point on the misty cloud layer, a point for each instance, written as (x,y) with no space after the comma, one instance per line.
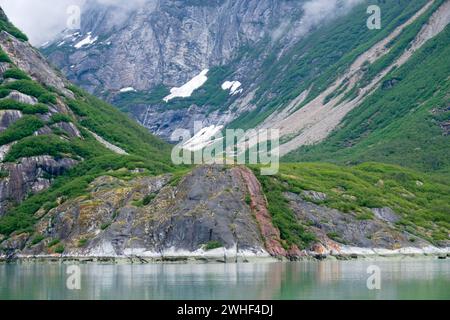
(41,20)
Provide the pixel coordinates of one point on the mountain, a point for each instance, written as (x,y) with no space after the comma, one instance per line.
(55,137)
(79,179)
(167,43)
(334,88)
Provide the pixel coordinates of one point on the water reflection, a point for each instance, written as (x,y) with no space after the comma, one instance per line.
(411,279)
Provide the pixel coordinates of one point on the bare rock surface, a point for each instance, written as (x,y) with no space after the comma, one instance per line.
(29,175)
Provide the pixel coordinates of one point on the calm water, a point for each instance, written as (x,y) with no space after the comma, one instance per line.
(407,279)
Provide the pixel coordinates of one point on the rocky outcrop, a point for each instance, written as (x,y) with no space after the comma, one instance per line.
(29,175)
(22,98)
(204,215)
(69,128)
(213,213)
(341,233)
(166,42)
(32,62)
(8,117)
(258,203)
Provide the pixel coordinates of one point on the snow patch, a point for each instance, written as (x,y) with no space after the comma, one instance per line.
(86,41)
(186,90)
(202,138)
(127,89)
(108,145)
(233,86)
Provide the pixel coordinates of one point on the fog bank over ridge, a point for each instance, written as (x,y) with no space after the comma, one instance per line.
(42,20)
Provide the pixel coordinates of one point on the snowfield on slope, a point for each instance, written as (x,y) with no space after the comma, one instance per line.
(86,41)
(127,89)
(202,138)
(233,86)
(187,89)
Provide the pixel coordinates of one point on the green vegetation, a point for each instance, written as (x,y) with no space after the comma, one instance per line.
(4,92)
(53,243)
(47,98)
(4,174)
(50,145)
(82,243)
(291,232)
(402,122)
(7,26)
(3,56)
(32,88)
(59,117)
(59,249)
(37,239)
(148,199)
(211,245)
(105,226)
(9,104)
(103,119)
(22,128)
(248,199)
(422,202)
(316,62)
(16,73)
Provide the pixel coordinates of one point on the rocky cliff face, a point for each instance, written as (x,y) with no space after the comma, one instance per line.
(203,214)
(165,42)
(299,63)
(161,44)
(80,180)
(211,214)
(29,175)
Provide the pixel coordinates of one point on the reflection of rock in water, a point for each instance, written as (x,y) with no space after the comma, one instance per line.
(328,272)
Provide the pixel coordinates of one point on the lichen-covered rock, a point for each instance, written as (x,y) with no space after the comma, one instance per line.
(150,217)
(335,229)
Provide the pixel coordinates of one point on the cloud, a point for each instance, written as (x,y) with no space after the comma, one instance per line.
(319,11)
(314,13)
(41,20)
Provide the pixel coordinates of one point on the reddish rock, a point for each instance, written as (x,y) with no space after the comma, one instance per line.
(258,205)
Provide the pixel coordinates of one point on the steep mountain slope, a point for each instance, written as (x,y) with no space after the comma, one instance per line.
(170,42)
(404,121)
(81,180)
(309,79)
(53,136)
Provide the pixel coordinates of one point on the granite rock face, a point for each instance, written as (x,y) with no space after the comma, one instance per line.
(29,176)
(167,42)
